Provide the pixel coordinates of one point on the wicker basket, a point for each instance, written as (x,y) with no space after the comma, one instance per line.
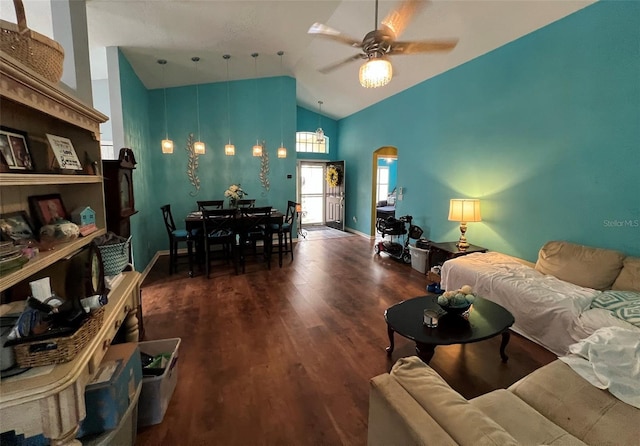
(59,350)
(38,52)
(115,257)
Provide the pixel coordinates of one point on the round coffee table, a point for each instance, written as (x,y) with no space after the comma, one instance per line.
(486,320)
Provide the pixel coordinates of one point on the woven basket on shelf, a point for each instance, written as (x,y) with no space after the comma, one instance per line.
(59,350)
(38,52)
(115,257)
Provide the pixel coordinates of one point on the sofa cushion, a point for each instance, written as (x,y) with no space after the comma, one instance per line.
(624,304)
(519,419)
(582,265)
(629,277)
(466,424)
(588,413)
(395,418)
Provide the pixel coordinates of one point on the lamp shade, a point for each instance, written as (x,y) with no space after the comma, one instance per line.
(375,73)
(282,152)
(257,150)
(229,150)
(462,209)
(199,148)
(167,146)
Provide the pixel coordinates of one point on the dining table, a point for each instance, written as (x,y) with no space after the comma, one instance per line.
(193,223)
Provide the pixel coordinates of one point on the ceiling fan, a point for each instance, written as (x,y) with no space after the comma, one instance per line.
(381,42)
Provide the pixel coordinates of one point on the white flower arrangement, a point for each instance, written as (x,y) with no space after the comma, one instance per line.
(234,192)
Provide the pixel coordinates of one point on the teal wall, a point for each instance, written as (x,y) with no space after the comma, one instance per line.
(307,121)
(135,98)
(160,179)
(544,130)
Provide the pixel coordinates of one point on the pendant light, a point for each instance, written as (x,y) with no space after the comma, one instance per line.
(282,150)
(198,146)
(319,132)
(167,144)
(229,149)
(257,149)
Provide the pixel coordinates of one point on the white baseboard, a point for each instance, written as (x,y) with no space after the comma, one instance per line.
(361,234)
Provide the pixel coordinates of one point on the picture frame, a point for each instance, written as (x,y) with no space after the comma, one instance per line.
(16,226)
(14,150)
(47,209)
(64,152)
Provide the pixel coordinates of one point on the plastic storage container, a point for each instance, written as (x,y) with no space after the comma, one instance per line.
(157,390)
(419,258)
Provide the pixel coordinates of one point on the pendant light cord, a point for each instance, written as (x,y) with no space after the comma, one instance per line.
(164,91)
(281,53)
(227,57)
(255,65)
(196,60)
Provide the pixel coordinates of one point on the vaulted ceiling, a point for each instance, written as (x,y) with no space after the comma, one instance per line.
(177,30)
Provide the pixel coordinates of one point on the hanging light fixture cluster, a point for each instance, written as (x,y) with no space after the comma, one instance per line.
(319,131)
(198,146)
(229,149)
(167,144)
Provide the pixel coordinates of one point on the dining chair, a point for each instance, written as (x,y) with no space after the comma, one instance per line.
(247,203)
(218,230)
(210,204)
(284,230)
(176,236)
(253,227)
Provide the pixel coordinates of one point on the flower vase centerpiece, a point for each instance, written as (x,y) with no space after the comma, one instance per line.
(235,193)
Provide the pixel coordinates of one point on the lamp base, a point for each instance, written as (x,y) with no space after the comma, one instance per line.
(462,241)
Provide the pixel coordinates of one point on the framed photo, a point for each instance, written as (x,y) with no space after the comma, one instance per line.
(64,152)
(16,226)
(14,150)
(47,209)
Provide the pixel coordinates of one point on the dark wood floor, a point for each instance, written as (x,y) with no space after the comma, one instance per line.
(284,357)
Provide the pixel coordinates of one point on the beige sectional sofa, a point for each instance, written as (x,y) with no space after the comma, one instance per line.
(413,405)
(552,300)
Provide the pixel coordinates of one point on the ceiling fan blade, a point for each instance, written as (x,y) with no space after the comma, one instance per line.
(328,32)
(426,46)
(398,19)
(332,67)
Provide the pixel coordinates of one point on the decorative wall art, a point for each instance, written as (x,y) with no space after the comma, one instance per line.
(264,168)
(192,166)
(64,152)
(14,150)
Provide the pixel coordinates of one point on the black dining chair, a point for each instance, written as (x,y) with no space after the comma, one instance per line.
(176,236)
(247,203)
(210,204)
(253,227)
(284,230)
(218,230)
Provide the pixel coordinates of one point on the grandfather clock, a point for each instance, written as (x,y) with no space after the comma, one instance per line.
(118,191)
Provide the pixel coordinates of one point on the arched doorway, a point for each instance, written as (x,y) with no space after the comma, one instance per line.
(383,156)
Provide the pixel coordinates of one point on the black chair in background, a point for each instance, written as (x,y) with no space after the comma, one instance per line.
(210,204)
(218,230)
(285,232)
(253,227)
(176,236)
(247,203)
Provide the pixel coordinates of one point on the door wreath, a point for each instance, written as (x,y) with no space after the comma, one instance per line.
(334,176)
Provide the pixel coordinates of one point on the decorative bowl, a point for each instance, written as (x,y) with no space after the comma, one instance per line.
(457,310)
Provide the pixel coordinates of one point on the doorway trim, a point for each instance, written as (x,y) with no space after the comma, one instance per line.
(379,153)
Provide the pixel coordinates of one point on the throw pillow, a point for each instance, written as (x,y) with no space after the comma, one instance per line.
(624,305)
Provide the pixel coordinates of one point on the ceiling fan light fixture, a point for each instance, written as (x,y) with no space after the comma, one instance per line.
(376,72)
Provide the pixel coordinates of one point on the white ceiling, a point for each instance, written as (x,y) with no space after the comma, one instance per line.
(177,30)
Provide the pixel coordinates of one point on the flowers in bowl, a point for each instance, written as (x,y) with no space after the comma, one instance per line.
(234,192)
(457,301)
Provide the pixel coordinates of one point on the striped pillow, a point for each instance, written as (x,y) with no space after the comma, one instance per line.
(624,305)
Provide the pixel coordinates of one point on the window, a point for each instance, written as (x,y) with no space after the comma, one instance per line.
(383,183)
(306,142)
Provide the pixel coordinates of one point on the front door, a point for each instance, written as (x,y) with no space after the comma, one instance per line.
(334,194)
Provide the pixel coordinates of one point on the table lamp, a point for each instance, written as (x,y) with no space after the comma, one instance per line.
(464,210)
